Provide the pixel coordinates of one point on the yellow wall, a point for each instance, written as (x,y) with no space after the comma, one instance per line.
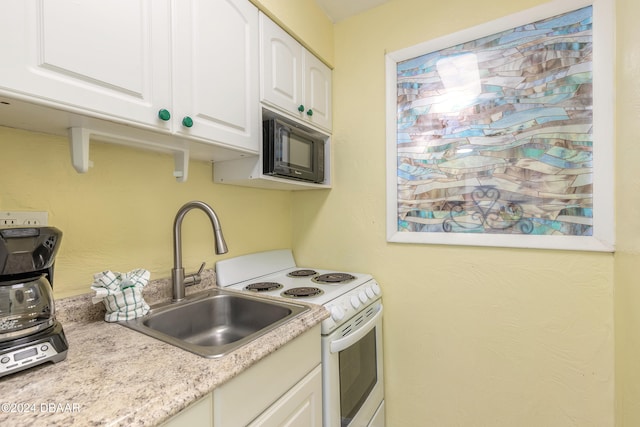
(473,336)
(119,216)
(304,20)
(627,259)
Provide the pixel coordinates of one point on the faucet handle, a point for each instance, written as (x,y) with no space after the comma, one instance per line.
(194,279)
(201,268)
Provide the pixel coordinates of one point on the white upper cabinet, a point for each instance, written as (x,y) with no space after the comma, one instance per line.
(317,90)
(181,67)
(216,66)
(293,80)
(103,57)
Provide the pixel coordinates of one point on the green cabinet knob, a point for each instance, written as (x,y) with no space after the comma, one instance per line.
(164,115)
(309,112)
(301,108)
(187,122)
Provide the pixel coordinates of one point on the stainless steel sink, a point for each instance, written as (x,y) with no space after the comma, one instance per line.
(215,322)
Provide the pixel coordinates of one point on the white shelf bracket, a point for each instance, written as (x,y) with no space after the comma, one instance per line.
(181,165)
(79,142)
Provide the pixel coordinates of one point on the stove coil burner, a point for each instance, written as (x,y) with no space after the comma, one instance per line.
(302,273)
(263,286)
(307,291)
(333,278)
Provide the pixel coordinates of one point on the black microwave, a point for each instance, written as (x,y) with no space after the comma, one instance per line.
(292,152)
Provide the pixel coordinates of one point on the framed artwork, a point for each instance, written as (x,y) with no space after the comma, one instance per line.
(502,134)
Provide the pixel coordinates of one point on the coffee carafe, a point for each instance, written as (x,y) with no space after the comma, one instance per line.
(29,332)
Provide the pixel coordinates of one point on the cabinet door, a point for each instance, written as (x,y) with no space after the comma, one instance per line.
(299,407)
(254,391)
(102,58)
(281,67)
(293,79)
(216,64)
(317,84)
(199,414)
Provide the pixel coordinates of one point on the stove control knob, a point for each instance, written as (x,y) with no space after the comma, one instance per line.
(363,297)
(376,288)
(355,302)
(370,292)
(337,313)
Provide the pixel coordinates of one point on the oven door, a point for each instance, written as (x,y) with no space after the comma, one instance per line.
(353,387)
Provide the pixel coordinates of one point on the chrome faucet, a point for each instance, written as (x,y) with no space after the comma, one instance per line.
(178,279)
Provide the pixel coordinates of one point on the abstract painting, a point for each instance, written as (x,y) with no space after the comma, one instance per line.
(495,135)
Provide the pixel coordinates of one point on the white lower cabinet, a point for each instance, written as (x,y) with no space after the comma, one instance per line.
(284,389)
(299,407)
(199,414)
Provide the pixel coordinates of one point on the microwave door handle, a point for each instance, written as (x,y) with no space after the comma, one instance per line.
(346,342)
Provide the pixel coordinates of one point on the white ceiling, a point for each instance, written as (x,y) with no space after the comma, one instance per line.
(338,10)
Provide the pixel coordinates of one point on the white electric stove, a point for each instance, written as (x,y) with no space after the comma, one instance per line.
(274,273)
(353,386)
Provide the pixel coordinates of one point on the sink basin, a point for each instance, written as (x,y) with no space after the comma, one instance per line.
(215,322)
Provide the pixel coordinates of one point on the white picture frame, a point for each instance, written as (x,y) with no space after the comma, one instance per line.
(600,234)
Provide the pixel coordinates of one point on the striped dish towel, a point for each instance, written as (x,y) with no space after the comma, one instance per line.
(121,294)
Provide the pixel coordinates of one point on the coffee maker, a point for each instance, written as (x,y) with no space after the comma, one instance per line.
(30,335)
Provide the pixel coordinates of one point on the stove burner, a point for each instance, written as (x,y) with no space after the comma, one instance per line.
(302,273)
(333,278)
(263,286)
(302,292)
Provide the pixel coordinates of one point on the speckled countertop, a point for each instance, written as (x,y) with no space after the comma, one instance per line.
(114,376)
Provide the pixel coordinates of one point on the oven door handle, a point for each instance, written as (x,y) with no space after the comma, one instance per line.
(339,345)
